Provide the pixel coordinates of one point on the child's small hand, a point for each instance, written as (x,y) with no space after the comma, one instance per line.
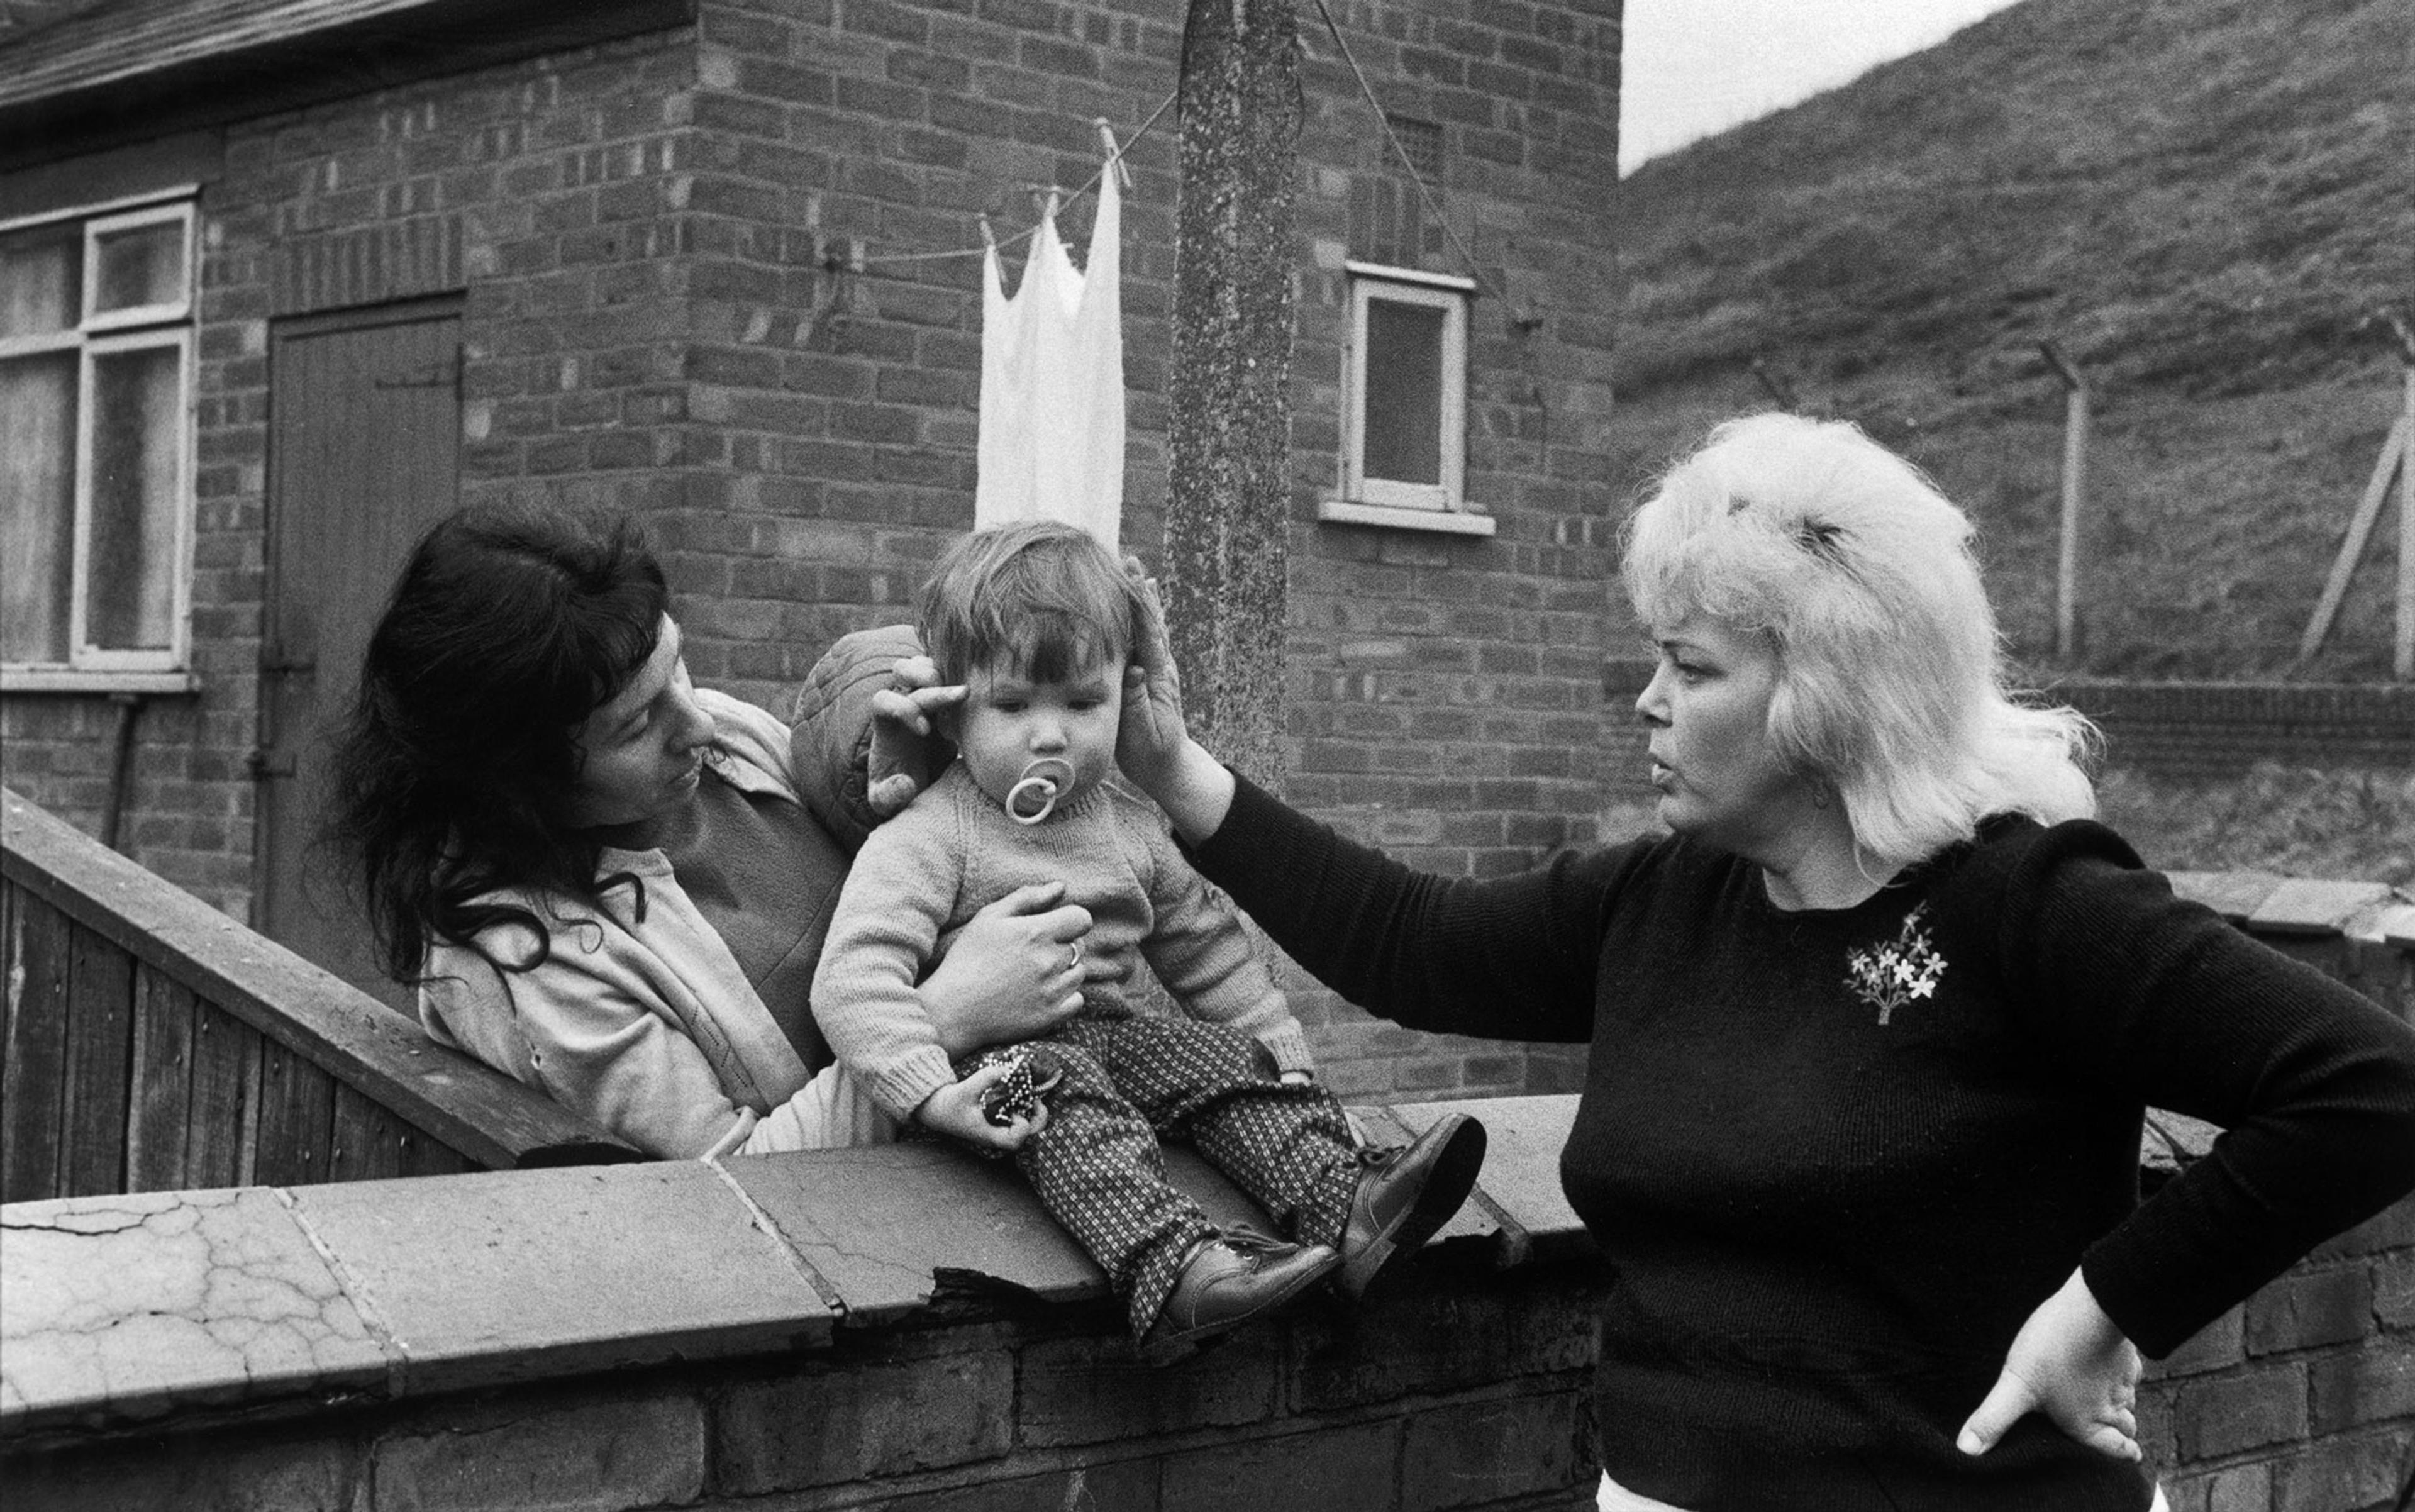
(955,1111)
(905,734)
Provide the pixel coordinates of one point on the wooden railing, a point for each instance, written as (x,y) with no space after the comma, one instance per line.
(151,1043)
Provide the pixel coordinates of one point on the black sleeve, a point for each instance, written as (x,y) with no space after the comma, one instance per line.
(1510,958)
(2313,1084)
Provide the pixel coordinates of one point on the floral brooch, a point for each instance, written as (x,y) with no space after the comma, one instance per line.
(1898,972)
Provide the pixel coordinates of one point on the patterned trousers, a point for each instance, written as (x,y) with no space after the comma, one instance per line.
(1099,1170)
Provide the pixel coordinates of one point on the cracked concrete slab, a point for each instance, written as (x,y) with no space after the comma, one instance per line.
(503,1276)
(877,1223)
(885,1226)
(127,1309)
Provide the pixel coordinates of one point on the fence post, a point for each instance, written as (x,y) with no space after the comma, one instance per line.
(2402,660)
(2075,477)
(1774,384)
(2395,459)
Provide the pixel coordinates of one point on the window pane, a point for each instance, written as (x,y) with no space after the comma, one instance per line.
(1404,434)
(40,274)
(38,400)
(136,405)
(140,266)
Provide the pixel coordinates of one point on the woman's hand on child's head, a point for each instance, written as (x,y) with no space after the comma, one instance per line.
(1012,972)
(907,746)
(955,1110)
(2071,1363)
(1152,745)
(1151,734)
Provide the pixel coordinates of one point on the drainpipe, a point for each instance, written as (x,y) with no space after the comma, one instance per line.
(121,771)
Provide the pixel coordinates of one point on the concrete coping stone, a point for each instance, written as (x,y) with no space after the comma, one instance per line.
(122,1312)
(2302,906)
(2394,924)
(2264,903)
(2235,895)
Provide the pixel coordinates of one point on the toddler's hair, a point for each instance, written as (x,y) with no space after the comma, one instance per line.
(1037,598)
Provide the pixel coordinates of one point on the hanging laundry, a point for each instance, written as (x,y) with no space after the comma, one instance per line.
(1052,394)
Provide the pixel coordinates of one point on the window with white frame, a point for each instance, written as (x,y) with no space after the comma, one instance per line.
(96,450)
(1404,402)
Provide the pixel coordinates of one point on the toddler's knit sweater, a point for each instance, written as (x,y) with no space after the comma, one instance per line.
(923,874)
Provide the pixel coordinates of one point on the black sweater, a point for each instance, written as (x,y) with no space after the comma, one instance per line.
(1836,1157)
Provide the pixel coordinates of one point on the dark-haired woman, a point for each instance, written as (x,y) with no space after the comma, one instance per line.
(611,884)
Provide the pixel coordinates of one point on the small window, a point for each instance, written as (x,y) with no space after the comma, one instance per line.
(95,442)
(1404,397)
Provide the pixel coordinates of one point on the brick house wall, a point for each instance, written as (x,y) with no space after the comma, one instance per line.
(693,283)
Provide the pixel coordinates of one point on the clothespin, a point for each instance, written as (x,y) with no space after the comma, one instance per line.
(1048,211)
(989,237)
(1115,154)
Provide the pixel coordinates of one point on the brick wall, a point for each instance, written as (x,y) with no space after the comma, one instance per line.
(1444,697)
(1442,691)
(2212,731)
(2302,1399)
(537,189)
(900,1329)
(2220,729)
(1008,1414)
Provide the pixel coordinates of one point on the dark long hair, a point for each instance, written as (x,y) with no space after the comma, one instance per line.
(507,628)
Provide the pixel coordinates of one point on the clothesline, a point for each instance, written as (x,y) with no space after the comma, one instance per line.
(1466,253)
(1115,157)
(1114,160)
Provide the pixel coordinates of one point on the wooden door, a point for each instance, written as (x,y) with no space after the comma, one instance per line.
(365,426)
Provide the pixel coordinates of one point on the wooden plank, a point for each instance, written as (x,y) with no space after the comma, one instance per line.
(8,895)
(423,1155)
(226,1062)
(370,1143)
(2075,507)
(36,1067)
(2360,529)
(166,1018)
(2402,652)
(463,1104)
(297,1104)
(99,1056)
(365,1141)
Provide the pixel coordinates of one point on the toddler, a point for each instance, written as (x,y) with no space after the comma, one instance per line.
(1036,620)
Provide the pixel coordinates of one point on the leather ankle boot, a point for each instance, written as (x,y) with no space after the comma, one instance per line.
(1406,1194)
(1228,1281)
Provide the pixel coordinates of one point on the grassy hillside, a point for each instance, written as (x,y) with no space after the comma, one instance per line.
(2201,201)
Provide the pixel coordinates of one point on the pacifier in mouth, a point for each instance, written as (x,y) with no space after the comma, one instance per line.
(1034,795)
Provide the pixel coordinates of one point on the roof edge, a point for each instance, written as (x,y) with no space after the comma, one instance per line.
(117,75)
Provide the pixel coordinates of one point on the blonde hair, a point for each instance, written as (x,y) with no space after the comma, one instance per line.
(1892,685)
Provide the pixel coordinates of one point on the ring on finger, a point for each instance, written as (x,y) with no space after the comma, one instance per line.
(1076,961)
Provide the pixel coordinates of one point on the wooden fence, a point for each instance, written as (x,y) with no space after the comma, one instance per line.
(151,1043)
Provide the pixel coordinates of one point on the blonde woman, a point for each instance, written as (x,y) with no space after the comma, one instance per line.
(1872,1027)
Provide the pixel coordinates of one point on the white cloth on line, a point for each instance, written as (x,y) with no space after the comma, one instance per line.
(1052,392)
